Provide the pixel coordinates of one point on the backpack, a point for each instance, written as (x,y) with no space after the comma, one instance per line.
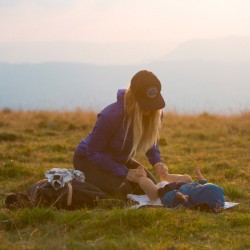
(74,195)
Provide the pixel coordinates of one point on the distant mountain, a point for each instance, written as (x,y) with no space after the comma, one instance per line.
(188,86)
(195,86)
(59,85)
(200,75)
(80,52)
(229,49)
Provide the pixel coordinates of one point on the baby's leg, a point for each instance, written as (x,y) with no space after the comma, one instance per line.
(198,175)
(149,188)
(164,175)
(176,178)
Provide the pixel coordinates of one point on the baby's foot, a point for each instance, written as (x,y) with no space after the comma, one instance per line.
(198,175)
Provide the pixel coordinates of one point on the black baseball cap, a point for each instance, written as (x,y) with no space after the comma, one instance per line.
(146,88)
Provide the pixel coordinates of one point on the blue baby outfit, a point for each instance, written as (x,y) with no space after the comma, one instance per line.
(104,145)
(199,193)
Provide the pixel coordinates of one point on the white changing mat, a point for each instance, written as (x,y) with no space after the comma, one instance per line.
(143,200)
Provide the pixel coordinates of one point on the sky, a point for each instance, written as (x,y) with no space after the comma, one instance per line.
(149,27)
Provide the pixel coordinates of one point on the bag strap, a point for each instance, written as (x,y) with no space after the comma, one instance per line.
(70,194)
(34,192)
(40,185)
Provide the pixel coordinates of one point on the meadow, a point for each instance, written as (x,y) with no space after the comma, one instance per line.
(32,142)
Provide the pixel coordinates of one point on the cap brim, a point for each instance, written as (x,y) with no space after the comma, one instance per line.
(152,104)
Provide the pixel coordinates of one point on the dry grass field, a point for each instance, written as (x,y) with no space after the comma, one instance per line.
(32,142)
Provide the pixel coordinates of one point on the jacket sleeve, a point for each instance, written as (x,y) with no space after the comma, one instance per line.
(203,182)
(101,134)
(154,155)
(197,183)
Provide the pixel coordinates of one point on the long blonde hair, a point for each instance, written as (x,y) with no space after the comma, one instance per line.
(145,128)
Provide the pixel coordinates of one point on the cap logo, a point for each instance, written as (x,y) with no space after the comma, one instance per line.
(152,92)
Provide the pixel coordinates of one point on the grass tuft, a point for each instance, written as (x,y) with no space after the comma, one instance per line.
(12,170)
(27,217)
(234,191)
(9,137)
(162,141)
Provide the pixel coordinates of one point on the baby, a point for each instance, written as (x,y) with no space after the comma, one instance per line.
(201,194)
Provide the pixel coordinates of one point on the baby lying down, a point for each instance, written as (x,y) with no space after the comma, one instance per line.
(197,195)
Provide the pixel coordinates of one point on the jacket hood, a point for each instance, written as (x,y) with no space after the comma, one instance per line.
(120,95)
(210,194)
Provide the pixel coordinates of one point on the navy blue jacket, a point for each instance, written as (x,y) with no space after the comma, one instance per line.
(199,193)
(104,144)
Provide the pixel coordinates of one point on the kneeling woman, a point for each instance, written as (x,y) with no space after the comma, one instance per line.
(122,129)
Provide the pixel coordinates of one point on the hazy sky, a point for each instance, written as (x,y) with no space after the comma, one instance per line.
(156,25)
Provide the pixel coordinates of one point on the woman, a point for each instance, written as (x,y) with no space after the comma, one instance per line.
(128,126)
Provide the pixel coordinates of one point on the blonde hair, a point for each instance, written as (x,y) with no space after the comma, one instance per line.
(146,128)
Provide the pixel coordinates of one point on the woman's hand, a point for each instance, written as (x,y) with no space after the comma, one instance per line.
(135,174)
(161,170)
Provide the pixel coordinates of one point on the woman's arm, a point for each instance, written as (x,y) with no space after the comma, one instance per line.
(98,140)
(154,155)
(102,133)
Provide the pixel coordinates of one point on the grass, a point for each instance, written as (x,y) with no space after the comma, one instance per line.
(33,142)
